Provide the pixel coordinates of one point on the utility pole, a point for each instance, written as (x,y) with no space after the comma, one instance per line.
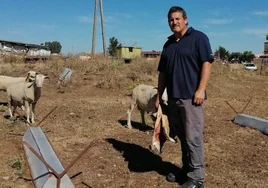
(102,29)
(94,29)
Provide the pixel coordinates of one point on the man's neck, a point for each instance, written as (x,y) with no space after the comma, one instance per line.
(179,35)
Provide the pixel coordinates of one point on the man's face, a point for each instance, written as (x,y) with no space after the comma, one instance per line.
(177,23)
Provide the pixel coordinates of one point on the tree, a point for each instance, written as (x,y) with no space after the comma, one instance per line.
(235,56)
(54,47)
(113,45)
(222,53)
(247,56)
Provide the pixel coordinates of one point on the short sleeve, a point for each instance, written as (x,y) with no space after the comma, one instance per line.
(204,49)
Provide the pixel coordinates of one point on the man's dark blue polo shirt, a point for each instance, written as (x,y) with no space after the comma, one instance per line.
(182,61)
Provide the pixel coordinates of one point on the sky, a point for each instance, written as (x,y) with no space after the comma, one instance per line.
(236,25)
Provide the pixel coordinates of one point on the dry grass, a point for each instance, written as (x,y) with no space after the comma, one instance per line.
(115,73)
(92,107)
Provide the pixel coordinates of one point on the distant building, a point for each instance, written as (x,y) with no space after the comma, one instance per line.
(265,52)
(266,45)
(29,50)
(128,52)
(263,56)
(151,54)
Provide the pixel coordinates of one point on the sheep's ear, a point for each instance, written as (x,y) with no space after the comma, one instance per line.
(46,77)
(27,78)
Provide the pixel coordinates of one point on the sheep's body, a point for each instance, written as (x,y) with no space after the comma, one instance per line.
(5,81)
(26,94)
(144,96)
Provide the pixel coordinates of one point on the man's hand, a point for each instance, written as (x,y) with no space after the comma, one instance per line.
(199,97)
(157,101)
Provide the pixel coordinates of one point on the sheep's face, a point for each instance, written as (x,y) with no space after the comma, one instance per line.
(31,76)
(39,80)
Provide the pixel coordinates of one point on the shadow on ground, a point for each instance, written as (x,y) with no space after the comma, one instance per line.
(136,125)
(141,159)
(3,103)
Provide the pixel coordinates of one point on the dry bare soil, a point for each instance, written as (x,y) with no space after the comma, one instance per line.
(93,108)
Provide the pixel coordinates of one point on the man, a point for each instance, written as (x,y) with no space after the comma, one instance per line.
(184,69)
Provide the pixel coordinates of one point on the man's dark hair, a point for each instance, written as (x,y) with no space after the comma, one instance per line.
(177,9)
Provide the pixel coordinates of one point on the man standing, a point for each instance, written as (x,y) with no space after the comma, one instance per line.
(184,69)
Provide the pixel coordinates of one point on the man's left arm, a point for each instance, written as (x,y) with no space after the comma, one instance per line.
(205,76)
(207,58)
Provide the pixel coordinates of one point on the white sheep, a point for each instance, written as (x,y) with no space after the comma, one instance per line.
(26,94)
(144,97)
(5,81)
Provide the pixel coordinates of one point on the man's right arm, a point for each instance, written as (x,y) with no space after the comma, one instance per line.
(162,69)
(161,87)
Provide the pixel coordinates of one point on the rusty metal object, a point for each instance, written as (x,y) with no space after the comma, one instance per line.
(41,159)
(46,169)
(77,158)
(246,105)
(46,116)
(44,164)
(75,175)
(84,183)
(231,107)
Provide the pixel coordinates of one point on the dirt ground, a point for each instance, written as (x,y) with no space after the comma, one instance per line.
(235,156)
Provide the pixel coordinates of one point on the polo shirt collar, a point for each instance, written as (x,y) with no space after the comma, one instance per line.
(188,32)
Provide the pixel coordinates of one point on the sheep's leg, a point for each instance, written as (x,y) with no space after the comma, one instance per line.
(129,113)
(9,108)
(27,106)
(11,113)
(143,117)
(32,108)
(14,109)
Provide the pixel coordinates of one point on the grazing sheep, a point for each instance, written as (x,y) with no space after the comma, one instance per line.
(26,94)
(144,97)
(5,81)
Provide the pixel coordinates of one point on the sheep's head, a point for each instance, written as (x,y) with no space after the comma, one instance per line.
(39,79)
(31,76)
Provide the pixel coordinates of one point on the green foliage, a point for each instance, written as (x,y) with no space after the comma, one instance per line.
(247,56)
(234,55)
(113,45)
(222,53)
(225,55)
(54,47)
(17,164)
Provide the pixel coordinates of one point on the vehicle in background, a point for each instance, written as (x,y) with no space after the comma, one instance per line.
(245,62)
(250,66)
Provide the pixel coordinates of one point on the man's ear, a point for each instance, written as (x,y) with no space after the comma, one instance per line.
(186,21)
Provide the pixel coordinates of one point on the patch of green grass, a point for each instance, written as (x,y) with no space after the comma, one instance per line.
(17,164)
